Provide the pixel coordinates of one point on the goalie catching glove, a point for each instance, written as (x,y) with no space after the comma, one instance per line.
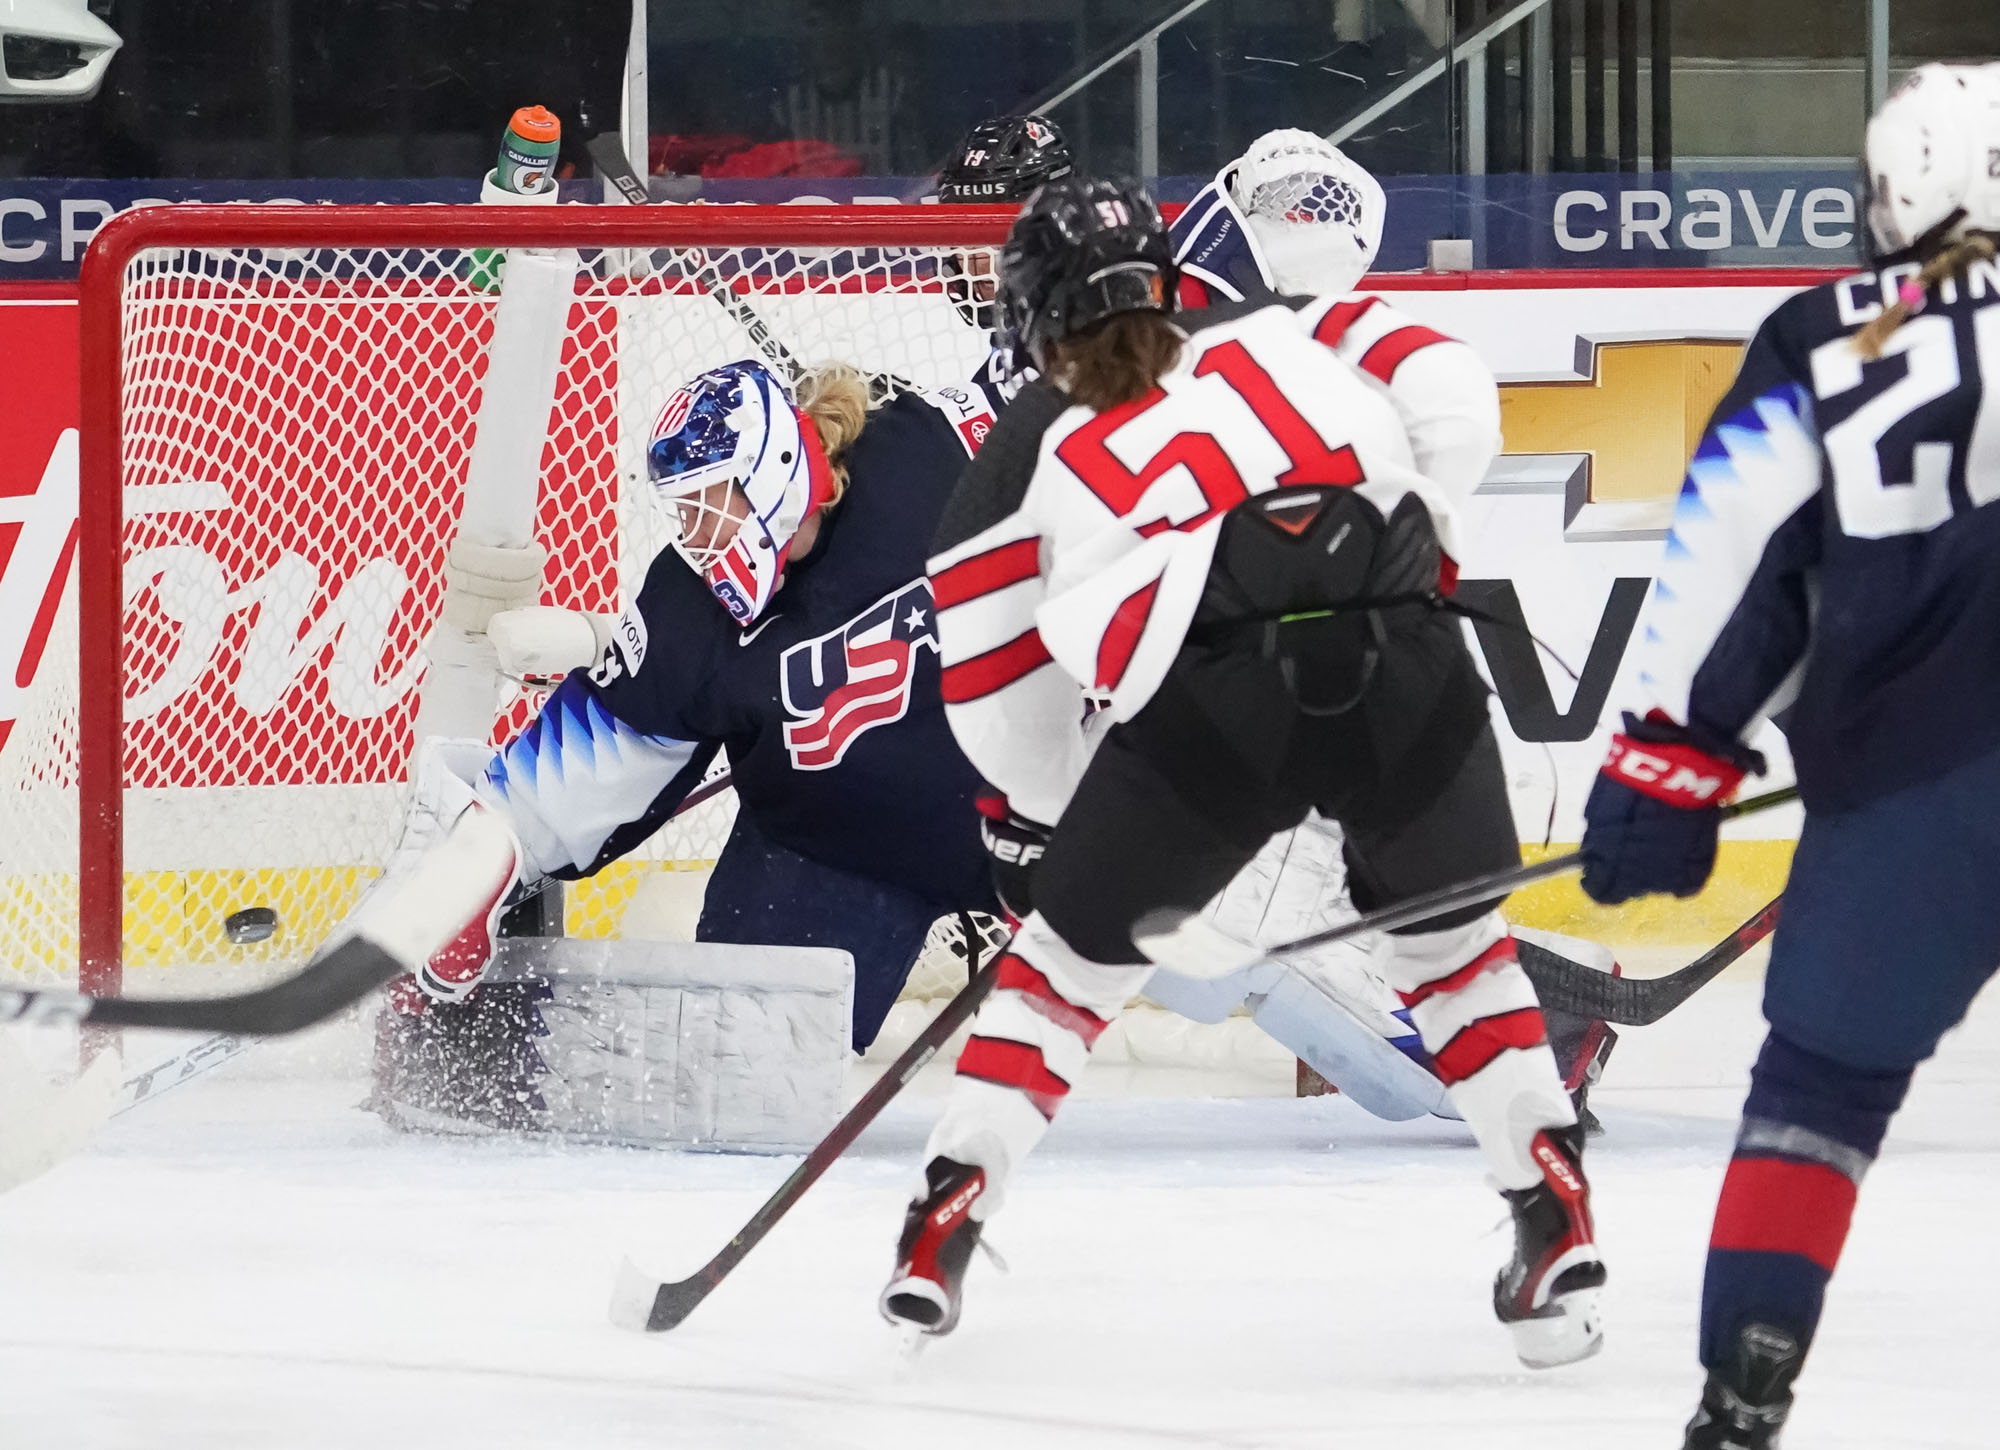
(1653,815)
(1016,845)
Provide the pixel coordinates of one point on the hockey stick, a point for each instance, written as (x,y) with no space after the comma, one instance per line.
(342,974)
(607,153)
(197,1059)
(1490,887)
(1636,1001)
(640,1302)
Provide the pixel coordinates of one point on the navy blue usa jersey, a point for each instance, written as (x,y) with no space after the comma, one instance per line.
(1833,551)
(827,706)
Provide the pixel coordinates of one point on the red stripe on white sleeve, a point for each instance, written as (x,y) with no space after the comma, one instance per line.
(1382,360)
(987,573)
(1121,635)
(1339,317)
(981,675)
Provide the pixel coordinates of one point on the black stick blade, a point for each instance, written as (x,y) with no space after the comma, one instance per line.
(345,974)
(644,1305)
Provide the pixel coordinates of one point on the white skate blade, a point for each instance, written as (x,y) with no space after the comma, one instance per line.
(911,1341)
(632,1296)
(1575,1331)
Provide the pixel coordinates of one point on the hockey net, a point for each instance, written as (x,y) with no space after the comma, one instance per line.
(296,395)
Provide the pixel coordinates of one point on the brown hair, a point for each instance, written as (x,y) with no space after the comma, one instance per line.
(1952,262)
(1116,360)
(835,397)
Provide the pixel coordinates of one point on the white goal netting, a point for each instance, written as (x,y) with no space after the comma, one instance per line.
(298,425)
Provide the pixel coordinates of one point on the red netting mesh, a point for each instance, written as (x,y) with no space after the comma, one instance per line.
(298,426)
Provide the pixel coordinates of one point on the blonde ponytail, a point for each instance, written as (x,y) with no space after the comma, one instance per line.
(1953,262)
(835,397)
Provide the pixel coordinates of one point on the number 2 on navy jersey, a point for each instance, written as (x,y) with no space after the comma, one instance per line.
(1884,481)
(1120,488)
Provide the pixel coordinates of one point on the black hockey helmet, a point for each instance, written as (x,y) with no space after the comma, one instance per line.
(1004,160)
(999,162)
(1083,250)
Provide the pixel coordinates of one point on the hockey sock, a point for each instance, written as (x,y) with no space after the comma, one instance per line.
(1476,1011)
(1811,1127)
(1028,1046)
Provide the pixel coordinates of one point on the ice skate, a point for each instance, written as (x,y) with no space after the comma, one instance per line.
(1743,1407)
(939,1235)
(1548,1295)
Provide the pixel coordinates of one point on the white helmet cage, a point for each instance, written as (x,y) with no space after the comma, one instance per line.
(1933,153)
(52,51)
(732,430)
(1315,215)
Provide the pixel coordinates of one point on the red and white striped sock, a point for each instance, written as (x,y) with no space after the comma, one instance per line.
(1029,1044)
(1477,1014)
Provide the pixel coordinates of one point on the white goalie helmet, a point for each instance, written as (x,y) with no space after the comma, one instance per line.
(52,51)
(1316,215)
(1933,152)
(739,468)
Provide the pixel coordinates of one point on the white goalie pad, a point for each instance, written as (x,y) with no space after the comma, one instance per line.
(647,1044)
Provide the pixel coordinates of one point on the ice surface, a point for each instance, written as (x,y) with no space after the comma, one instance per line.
(251,1262)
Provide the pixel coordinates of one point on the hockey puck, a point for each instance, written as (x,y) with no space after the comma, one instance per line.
(251,924)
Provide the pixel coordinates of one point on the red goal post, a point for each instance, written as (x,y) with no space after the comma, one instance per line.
(216,339)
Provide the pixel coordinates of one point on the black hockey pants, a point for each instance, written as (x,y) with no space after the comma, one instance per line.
(1232,749)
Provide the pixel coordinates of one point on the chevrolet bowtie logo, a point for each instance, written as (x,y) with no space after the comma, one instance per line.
(1638,411)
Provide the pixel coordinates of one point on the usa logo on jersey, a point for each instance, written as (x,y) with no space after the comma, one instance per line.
(854,678)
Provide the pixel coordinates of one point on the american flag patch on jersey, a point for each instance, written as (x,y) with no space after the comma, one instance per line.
(854,678)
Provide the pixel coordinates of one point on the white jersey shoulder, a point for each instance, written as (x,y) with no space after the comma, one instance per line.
(1441,389)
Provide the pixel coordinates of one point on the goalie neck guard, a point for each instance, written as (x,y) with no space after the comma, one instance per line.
(1082,251)
(739,468)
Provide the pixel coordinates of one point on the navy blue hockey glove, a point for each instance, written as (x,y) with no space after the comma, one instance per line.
(1015,845)
(1651,821)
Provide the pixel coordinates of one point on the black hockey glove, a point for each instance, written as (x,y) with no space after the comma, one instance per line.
(1651,821)
(1015,844)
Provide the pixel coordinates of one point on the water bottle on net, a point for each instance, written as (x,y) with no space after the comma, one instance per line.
(525,169)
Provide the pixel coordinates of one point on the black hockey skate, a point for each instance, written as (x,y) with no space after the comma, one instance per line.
(939,1234)
(1744,1405)
(1548,1295)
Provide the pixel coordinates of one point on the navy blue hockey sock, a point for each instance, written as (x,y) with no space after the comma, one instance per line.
(1810,1129)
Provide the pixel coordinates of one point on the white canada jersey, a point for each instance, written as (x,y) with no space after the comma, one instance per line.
(1092,580)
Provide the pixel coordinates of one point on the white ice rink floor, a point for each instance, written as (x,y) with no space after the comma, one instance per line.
(252,1262)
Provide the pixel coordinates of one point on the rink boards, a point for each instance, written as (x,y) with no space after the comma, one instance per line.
(1607,380)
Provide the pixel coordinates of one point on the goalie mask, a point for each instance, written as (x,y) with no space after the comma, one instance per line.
(1930,159)
(738,468)
(1315,215)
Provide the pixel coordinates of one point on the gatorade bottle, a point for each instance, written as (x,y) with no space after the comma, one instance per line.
(528,151)
(527,157)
